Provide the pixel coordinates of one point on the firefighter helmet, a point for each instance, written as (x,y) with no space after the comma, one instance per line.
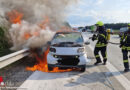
(129,25)
(99,23)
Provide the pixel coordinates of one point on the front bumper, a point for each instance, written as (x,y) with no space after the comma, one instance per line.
(53,59)
(66,66)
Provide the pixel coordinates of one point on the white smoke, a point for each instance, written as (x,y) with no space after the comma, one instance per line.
(34,11)
(26,35)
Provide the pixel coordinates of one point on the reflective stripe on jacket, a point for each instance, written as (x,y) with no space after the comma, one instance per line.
(102,39)
(123,40)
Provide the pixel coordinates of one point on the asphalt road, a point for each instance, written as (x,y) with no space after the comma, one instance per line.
(114,54)
(109,77)
(15,74)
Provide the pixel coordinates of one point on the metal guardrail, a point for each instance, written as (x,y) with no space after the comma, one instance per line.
(11,58)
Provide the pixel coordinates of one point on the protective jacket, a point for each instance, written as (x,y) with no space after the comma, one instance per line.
(125,41)
(101,37)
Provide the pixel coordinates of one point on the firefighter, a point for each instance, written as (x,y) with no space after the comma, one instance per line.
(101,45)
(125,45)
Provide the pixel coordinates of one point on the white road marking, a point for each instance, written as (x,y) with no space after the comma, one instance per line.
(121,78)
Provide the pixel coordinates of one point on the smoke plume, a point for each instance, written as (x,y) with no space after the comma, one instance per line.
(30,32)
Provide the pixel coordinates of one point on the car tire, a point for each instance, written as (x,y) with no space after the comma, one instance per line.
(50,68)
(83,68)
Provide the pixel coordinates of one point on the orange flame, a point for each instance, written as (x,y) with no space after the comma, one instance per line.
(27,36)
(43,66)
(36,34)
(15,17)
(45,23)
(65,29)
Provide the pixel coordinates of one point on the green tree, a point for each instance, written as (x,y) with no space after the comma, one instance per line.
(4,45)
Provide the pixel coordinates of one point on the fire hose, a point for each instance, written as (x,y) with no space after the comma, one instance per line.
(109,32)
(109,42)
(113,43)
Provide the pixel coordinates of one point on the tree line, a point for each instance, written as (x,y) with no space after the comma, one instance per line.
(115,26)
(4,44)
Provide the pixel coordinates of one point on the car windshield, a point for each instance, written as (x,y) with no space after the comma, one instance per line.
(67,37)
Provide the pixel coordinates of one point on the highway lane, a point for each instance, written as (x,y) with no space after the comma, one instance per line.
(115,62)
(91,79)
(114,54)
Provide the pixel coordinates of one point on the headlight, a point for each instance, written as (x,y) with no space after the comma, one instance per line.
(80,50)
(55,56)
(53,50)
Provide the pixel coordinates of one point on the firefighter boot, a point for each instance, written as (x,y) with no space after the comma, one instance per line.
(104,62)
(126,70)
(98,61)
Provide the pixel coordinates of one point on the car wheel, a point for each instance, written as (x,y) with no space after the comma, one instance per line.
(50,68)
(83,68)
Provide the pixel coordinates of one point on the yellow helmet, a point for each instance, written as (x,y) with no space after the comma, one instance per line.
(100,23)
(129,25)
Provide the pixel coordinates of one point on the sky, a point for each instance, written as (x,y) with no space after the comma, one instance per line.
(88,12)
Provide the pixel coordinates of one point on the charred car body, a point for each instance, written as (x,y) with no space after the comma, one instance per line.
(67,50)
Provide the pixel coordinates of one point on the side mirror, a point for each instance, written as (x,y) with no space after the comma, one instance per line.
(87,43)
(49,42)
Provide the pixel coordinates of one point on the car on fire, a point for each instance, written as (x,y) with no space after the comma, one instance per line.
(67,50)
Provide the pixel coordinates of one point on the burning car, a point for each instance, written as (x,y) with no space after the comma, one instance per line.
(67,50)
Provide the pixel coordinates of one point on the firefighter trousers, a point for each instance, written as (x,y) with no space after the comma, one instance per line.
(125,59)
(103,51)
